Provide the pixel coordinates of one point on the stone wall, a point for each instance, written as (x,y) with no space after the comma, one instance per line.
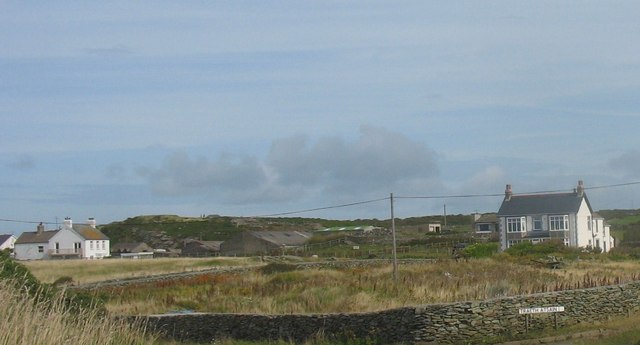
(452,323)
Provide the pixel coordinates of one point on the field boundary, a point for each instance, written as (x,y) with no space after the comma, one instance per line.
(448,323)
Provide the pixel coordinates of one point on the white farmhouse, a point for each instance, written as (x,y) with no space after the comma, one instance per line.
(79,241)
(565,217)
(7,242)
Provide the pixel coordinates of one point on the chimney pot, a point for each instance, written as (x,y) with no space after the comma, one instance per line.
(508,193)
(580,188)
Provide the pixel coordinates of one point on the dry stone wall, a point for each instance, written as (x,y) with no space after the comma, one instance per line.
(451,323)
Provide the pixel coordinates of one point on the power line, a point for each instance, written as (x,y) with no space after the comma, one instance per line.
(323,208)
(454,196)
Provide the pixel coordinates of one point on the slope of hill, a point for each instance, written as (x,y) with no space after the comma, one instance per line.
(169,231)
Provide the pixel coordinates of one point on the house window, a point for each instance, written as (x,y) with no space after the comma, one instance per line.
(91,245)
(40,249)
(559,223)
(516,224)
(102,245)
(589,223)
(537,223)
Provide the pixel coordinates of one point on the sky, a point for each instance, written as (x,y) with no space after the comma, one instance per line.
(249,108)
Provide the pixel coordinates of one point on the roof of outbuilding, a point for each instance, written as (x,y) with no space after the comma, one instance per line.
(487,218)
(4,238)
(36,237)
(290,238)
(554,203)
(130,247)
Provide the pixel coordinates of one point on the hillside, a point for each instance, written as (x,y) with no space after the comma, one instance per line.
(169,231)
(625,226)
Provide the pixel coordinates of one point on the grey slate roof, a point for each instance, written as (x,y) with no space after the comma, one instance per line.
(555,203)
(35,237)
(487,218)
(131,247)
(287,238)
(4,238)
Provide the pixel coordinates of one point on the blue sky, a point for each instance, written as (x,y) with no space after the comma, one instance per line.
(247,108)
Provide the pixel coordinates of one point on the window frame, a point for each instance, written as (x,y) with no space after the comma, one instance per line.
(559,222)
(516,224)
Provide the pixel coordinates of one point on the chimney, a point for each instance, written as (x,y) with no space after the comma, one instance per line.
(40,229)
(580,188)
(68,224)
(508,193)
(91,222)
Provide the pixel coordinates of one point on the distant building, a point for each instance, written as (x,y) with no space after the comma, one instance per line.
(130,247)
(7,242)
(434,227)
(352,228)
(250,243)
(70,241)
(485,224)
(565,217)
(197,248)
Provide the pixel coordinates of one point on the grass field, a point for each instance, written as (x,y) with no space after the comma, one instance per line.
(88,271)
(285,289)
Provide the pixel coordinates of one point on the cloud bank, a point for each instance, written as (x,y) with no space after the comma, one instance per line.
(378,161)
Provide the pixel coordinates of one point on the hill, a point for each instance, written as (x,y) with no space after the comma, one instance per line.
(625,226)
(169,231)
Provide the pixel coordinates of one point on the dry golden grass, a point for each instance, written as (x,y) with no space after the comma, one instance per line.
(89,271)
(25,322)
(362,289)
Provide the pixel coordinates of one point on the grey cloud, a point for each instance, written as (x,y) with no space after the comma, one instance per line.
(23,162)
(379,161)
(181,175)
(627,163)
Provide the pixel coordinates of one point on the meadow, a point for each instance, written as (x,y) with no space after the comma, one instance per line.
(288,288)
(82,272)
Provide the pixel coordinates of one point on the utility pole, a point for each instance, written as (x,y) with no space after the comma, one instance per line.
(445,216)
(393,233)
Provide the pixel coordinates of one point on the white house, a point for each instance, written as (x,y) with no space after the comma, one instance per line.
(7,242)
(566,217)
(79,241)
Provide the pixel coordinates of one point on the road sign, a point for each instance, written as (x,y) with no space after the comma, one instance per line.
(540,310)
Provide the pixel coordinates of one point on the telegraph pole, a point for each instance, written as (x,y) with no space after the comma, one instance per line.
(393,233)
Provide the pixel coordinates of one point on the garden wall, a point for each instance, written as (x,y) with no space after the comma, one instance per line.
(451,323)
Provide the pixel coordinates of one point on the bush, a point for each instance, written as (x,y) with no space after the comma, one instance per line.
(542,249)
(277,267)
(481,250)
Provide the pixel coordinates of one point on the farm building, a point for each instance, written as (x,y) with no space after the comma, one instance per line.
(130,247)
(196,248)
(250,243)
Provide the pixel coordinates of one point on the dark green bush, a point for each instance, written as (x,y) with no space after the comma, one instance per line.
(277,267)
(481,250)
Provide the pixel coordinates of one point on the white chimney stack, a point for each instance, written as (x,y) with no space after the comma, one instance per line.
(68,224)
(91,222)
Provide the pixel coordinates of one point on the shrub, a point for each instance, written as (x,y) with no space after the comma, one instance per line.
(481,250)
(277,267)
